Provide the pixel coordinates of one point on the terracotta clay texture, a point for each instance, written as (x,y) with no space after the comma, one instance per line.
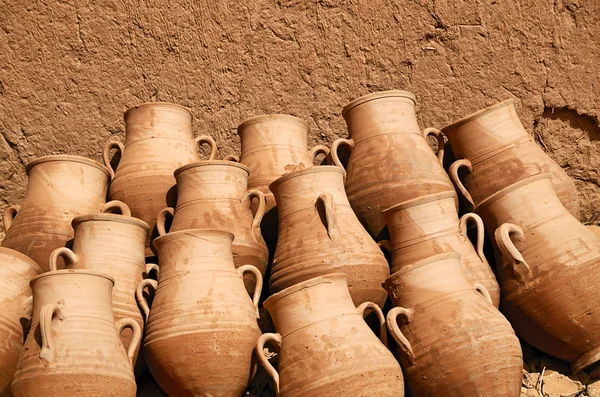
(158,140)
(202,328)
(325,347)
(16,270)
(452,342)
(215,195)
(549,270)
(427,226)
(390,161)
(73,348)
(493,145)
(320,234)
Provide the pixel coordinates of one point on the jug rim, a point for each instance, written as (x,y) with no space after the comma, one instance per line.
(172,235)
(421,263)
(201,163)
(71,271)
(503,192)
(310,170)
(157,103)
(419,200)
(479,113)
(66,157)
(379,95)
(108,217)
(20,255)
(311,282)
(272,116)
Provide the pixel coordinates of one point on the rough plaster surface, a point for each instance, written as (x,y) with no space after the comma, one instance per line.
(69,69)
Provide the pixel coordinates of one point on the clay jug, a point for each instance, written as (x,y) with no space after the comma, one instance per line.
(319,234)
(59,189)
(201,330)
(215,195)
(390,161)
(429,225)
(16,270)
(493,145)
(548,268)
(158,140)
(451,341)
(73,348)
(325,347)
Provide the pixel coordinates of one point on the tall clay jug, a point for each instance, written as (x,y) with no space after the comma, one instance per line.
(158,140)
(319,234)
(16,271)
(73,348)
(549,270)
(326,348)
(452,342)
(390,160)
(215,195)
(498,152)
(59,189)
(201,331)
(429,225)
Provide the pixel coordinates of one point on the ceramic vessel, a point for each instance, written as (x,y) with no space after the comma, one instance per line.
(452,342)
(320,234)
(493,145)
(158,140)
(73,348)
(325,347)
(549,270)
(202,328)
(390,160)
(429,225)
(215,195)
(16,270)
(59,189)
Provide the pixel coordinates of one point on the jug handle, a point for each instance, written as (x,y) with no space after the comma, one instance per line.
(260,345)
(262,208)
(106,155)
(161,220)
(392,323)
(139,294)
(207,139)
(330,215)
(258,286)
(453,173)
(9,215)
(386,245)
(316,150)
(46,315)
(483,291)
(71,258)
(334,150)
(509,250)
(232,157)
(116,207)
(152,267)
(464,220)
(136,339)
(367,307)
(439,135)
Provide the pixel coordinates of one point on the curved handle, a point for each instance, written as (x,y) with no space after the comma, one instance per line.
(152,267)
(439,135)
(262,207)
(116,207)
(260,346)
(9,215)
(330,215)
(207,139)
(136,339)
(392,323)
(139,294)
(507,247)
(316,150)
(334,150)
(258,285)
(47,313)
(232,157)
(365,308)
(106,153)
(462,224)
(453,173)
(71,258)
(161,220)
(483,291)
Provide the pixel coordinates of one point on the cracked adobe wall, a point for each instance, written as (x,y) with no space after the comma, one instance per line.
(69,69)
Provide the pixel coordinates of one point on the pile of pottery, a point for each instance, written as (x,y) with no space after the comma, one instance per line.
(159,263)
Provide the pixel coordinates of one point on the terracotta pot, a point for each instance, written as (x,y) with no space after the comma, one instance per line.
(429,225)
(498,152)
(390,160)
(215,195)
(319,234)
(326,349)
(16,270)
(201,330)
(59,188)
(549,270)
(73,348)
(158,141)
(452,342)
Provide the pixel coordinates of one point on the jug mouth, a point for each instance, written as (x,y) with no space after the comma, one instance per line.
(327,278)
(503,192)
(418,201)
(108,217)
(191,232)
(478,114)
(157,104)
(71,271)
(224,163)
(272,117)
(305,171)
(379,95)
(455,256)
(66,157)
